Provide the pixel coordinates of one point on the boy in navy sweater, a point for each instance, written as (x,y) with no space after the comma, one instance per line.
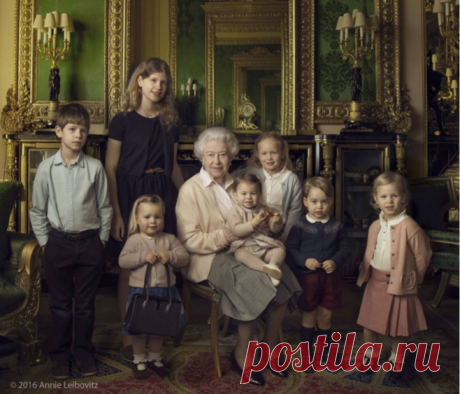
(318,245)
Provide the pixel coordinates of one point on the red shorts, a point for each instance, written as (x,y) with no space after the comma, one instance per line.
(320,288)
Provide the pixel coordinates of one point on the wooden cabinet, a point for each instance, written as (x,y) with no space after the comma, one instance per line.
(352,162)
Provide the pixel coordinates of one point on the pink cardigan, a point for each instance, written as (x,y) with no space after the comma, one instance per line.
(410,256)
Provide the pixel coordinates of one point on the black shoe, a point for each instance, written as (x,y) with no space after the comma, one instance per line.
(255,378)
(281,374)
(87,366)
(60,369)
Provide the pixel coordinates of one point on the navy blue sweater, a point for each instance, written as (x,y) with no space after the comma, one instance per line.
(321,241)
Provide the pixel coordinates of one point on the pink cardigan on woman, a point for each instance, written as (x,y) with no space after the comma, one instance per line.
(410,256)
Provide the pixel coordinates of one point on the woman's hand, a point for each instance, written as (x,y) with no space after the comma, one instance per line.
(312,264)
(118,228)
(151,257)
(164,257)
(229,236)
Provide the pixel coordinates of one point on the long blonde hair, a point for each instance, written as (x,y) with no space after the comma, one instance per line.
(133,96)
(272,135)
(145,199)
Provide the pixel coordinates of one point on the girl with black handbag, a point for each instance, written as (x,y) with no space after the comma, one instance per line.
(154,307)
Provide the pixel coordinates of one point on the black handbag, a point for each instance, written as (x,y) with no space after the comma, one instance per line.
(153,315)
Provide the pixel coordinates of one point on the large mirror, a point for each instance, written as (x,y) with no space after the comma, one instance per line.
(256,75)
(249,66)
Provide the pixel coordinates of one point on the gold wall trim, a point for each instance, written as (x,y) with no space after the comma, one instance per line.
(388,88)
(173,7)
(306,46)
(116,57)
(247,13)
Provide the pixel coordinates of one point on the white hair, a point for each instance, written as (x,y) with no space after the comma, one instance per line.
(221,134)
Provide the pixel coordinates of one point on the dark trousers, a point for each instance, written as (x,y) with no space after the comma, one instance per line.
(73,269)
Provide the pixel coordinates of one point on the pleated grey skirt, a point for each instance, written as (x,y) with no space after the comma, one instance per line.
(246,293)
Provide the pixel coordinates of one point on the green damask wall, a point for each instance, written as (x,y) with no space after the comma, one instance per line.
(82,74)
(191,56)
(332,72)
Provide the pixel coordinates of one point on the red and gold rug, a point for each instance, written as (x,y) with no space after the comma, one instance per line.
(193,371)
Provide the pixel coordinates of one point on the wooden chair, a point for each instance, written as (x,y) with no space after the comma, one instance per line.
(208,293)
(215,298)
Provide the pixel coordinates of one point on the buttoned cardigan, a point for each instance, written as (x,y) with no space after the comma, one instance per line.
(410,256)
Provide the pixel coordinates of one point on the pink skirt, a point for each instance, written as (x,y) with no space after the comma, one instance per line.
(388,314)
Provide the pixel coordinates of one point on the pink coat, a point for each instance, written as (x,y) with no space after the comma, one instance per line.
(410,256)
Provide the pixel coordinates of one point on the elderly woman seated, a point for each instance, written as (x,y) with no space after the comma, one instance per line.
(201,210)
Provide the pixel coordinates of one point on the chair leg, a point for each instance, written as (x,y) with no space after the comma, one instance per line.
(227,322)
(30,351)
(443,285)
(186,298)
(215,309)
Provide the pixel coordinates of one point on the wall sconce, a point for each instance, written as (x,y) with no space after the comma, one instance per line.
(48,26)
(189,94)
(220,116)
(187,90)
(364,32)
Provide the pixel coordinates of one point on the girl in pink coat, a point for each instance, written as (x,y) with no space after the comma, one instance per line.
(397,256)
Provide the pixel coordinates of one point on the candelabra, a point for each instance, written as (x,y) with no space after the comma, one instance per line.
(364,42)
(189,95)
(448,28)
(220,116)
(49,50)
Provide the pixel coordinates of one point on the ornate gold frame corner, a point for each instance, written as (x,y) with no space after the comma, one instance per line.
(116,58)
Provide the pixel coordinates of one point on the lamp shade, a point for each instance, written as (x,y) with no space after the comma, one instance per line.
(346,21)
(360,20)
(49,21)
(375,22)
(353,15)
(437,7)
(65,22)
(448,72)
(447,1)
(39,22)
(454,84)
(339,23)
(56,17)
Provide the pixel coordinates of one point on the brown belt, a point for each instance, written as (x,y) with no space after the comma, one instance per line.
(154,170)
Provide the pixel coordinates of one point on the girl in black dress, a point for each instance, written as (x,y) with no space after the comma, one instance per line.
(141,157)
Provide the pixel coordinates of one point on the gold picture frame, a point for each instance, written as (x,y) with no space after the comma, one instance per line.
(116,58)
(388,89)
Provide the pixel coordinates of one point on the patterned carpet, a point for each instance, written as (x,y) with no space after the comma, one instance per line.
(193,371)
